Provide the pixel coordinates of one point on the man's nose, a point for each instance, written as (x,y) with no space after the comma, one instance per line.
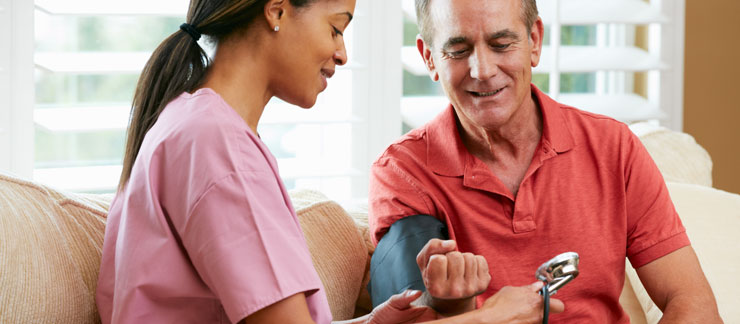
(483,65)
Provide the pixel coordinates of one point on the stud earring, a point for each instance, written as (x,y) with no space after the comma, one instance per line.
(277,28)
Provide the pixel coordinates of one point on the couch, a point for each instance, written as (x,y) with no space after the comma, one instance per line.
(50,242)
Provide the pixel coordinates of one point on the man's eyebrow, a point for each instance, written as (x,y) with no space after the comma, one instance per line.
(452,41)
(506,33)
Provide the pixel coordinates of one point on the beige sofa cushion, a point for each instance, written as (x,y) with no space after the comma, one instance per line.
(712,221)
(337,249)
(678,156)
(50,247)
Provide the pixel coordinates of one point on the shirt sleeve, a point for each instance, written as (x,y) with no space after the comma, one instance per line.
(246,244)
(394,193)
(654,228)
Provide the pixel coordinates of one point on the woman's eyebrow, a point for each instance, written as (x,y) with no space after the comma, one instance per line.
(349,17)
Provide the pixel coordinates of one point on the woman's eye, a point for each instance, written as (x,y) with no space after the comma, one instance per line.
(337,31)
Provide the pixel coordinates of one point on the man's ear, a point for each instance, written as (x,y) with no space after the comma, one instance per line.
(426,55)
(274,10)
(535,38)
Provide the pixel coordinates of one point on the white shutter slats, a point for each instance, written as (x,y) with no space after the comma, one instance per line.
(585,12)
(590,12)
(81,179)
(409,9)
(411,61)
(581,59)
(82,119)
(623,107)
(173,8)
(107,62)
(91,62)
(416,111)
(115,117)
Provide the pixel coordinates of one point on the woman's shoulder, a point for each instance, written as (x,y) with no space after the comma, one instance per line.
(204,120)
(200,129)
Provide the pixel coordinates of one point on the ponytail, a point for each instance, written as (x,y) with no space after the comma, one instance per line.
(179,64)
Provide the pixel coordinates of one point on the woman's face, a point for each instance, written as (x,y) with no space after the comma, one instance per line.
(310,47)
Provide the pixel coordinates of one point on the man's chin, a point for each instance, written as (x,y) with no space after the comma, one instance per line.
(488,117)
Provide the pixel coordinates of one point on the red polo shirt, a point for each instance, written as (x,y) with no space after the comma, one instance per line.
(591,188)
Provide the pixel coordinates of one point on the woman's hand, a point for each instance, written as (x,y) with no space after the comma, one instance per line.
(398,310)
(518,305)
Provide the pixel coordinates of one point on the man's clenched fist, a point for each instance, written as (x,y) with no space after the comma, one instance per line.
(450,274)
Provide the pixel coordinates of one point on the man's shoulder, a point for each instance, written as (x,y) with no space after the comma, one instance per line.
(588,125)
(584,116)
(412,146)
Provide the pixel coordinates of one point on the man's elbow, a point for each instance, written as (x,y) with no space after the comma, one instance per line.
(691,308)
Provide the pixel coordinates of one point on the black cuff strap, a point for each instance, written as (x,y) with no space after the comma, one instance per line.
(393,267)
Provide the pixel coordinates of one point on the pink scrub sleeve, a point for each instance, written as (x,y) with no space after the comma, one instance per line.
(253,260)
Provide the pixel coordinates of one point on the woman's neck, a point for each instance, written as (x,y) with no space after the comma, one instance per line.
(240,76)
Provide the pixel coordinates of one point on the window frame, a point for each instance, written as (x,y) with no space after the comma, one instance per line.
(17,87)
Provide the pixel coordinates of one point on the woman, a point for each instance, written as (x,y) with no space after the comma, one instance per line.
(202,230)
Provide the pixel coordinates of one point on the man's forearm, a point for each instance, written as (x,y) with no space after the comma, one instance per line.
(447,307)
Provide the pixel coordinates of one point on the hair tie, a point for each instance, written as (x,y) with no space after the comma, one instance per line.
(190,30)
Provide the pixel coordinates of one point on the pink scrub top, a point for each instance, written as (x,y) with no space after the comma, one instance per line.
(204,231)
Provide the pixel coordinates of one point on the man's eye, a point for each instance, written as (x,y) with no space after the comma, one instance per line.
(501,46)
(455,54)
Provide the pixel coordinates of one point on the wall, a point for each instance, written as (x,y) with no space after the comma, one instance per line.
(712,85)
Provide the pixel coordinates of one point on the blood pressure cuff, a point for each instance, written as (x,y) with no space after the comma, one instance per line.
(393,267)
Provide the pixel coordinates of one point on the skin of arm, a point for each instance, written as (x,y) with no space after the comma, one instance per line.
(509,305)
(677,285)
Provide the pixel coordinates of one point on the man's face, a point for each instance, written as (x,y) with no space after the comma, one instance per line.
(483,56)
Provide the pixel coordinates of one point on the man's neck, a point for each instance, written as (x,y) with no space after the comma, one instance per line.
(507,150)
(513,139)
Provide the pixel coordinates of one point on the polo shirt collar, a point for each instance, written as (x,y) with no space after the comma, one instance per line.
(555,128)
(448,155)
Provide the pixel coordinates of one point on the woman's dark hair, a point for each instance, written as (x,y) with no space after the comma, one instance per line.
(179,64)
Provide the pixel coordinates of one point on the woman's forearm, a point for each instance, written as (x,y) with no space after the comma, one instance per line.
(360,320)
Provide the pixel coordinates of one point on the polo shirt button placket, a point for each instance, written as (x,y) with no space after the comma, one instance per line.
(523,220)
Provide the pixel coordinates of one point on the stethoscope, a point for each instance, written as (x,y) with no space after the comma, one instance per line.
(555,273)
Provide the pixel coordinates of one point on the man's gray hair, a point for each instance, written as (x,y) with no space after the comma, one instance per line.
(426,29)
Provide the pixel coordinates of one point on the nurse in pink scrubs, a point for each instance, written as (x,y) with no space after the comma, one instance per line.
(202,230)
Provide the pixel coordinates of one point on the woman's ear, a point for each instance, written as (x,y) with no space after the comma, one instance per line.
(274,10)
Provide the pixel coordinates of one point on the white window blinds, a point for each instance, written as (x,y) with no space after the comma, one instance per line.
(88,58)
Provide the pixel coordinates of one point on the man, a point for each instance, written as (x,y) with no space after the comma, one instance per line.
(518,178)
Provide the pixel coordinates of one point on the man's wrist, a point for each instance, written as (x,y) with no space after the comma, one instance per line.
(448,307)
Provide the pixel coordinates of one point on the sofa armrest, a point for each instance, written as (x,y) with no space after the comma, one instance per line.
(712,219)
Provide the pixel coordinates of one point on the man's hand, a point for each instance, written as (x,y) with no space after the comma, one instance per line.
(452,278)
(518,305)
